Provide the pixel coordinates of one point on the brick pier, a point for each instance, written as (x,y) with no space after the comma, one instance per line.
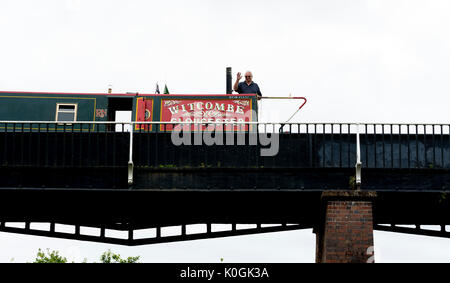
(346,231)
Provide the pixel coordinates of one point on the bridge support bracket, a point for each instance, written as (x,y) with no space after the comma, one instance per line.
(130,160)
(358,176)
(130,173)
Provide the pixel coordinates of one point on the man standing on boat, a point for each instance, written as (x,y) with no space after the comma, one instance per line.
(247,86)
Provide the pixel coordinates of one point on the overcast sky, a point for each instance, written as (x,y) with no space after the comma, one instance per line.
(355,61)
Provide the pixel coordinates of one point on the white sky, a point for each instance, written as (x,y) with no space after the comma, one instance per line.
(355,61)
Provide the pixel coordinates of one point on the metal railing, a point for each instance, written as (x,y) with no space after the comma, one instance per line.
(53,144)
(301,145)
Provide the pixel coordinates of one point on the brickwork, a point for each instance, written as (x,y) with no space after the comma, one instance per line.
(347,234)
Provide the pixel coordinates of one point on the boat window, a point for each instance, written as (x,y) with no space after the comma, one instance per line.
(66,112)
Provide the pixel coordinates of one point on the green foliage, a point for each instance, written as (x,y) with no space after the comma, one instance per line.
(106,257)
(203,165)
(167,166)
(109,257)
(51,257)
(352,182)
(442,198)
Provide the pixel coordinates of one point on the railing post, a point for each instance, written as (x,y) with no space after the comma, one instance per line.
(130,159)
(358,160)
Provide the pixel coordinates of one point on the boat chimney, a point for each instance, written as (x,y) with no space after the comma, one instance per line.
(229,79)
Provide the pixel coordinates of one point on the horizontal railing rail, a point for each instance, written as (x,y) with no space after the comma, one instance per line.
(236,122)
(319,127)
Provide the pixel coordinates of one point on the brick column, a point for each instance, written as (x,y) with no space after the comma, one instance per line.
(346,232)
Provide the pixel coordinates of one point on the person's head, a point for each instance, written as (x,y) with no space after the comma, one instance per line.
(248,77)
